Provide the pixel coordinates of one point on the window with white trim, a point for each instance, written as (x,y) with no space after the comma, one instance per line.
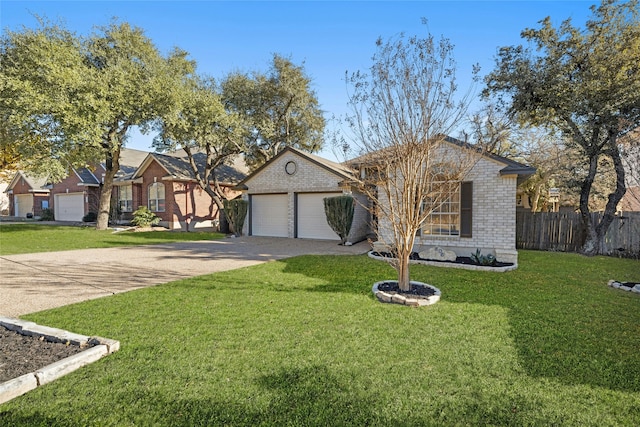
(156,197)
(125,198)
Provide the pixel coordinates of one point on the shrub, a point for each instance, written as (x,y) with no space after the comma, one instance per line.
(46,215)
(339,211)
(480,259)
(90,217)
(236,212)
(143,217)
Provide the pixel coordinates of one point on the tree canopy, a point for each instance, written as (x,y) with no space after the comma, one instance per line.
(199,124)
(586,84)
(281,108)
(71,100)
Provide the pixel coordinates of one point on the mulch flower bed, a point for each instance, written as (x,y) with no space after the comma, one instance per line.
(459,260)
(22,354)
(416,290)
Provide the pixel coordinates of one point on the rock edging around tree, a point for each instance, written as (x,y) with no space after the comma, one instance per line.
(625,286)
(422,293)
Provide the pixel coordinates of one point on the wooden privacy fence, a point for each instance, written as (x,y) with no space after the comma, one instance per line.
(553,231)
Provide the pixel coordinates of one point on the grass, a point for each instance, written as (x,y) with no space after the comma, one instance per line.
(303,342)
(31,238)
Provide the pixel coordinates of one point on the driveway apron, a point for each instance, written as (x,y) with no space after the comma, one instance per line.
(35,282)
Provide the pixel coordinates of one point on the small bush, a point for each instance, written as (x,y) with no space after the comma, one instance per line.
(339,211)
(480,259)
(90,217)
(46,215)
(143,217)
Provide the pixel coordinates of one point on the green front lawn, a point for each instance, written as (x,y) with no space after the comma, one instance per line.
(30,238)
(303,342)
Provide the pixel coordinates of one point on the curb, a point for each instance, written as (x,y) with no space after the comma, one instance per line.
(18,386)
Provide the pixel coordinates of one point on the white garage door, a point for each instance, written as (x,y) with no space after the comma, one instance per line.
(312,221)
(269,215)
(23,204)
(69,207)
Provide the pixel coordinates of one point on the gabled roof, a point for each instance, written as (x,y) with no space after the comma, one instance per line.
(341,170)
(130,161)
(86,176)
(178,168)
(37,184)
(511,166)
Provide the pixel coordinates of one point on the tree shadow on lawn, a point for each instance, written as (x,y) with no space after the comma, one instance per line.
(312,395)
(564,327)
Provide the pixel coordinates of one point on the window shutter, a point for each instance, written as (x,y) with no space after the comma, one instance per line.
(466,204)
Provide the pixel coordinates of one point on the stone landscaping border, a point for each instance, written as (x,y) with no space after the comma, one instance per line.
(406,300)
(18,386)
(451,264)
(624,286)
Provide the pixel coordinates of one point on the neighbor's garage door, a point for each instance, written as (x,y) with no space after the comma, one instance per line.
(69,207)
(269,215)
(23,204)
(312,221)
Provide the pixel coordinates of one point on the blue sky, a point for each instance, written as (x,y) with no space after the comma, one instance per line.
(330,37)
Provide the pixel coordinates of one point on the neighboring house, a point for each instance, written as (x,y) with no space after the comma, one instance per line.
(165,184)
(285,199)
(162,182)
(28,195)
(70,199)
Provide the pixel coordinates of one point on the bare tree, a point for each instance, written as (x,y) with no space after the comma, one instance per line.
(402,111)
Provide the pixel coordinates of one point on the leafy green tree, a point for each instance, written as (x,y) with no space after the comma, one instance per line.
(78,97)
(586,84)
(281,108)
(199,124)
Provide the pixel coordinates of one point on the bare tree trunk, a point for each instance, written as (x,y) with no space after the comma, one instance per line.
(403,271)
(595,232)
(112,165)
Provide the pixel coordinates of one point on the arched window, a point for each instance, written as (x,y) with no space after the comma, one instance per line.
(156,197)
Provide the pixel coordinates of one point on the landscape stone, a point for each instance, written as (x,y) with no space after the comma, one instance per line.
(398,299)
(383,296)
(636,289)
(625,288)
(438,254)
(616,285)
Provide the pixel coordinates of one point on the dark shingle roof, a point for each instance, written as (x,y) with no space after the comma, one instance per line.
(178,167)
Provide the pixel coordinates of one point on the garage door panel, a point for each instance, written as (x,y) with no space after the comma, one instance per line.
(23,204)
(312,221)
(269,215)
(69,207)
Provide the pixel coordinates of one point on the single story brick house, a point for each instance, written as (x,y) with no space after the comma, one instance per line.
(285,200)
(165,184)
(28,195)
(162,182)
(70,199)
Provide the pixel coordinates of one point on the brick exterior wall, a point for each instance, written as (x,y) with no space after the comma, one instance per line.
(183,199)
(21,187)
(493,213)
(308,178)
(70,185)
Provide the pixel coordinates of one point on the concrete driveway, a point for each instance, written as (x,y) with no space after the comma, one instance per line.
(35,282)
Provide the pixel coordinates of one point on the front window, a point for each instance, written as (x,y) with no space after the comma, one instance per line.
(125,198)
(156,197)
(444,204)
